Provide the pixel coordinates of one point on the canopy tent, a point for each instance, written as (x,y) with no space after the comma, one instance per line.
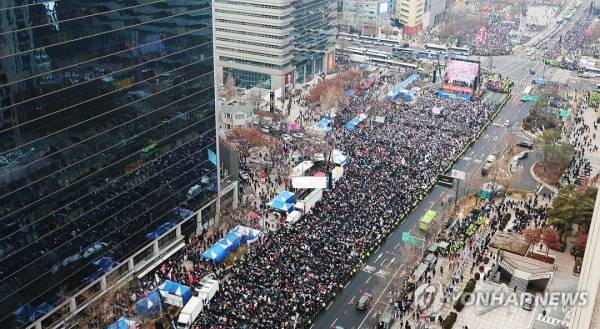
(123,323)
(437,110)
(281,206)
(324,124)
(337,173)
(286,196)
(231,241)
(216,253)
(148,305)
(236,239)
(292,126)
(379,119)
(338,157)
(301,168)
(248,234)
(398,90)
(351,125)
(175,293)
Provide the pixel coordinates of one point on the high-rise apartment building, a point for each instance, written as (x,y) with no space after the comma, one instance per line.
(410,14)
(107,120)
(273,44)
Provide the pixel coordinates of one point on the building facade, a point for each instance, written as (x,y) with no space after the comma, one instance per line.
(409,14)
(273,44)
(434,13)
(588,315)
(107,118)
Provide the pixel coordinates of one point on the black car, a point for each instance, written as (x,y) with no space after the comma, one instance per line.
(526,145)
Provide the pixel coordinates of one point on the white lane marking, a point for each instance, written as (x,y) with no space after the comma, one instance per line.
(368,279)
(382,293)
(467,158)
(351,300)
(333,323)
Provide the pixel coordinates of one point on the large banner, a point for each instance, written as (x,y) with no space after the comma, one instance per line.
(457,89)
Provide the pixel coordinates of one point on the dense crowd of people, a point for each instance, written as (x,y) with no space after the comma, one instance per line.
(288,277)
(497,39)
(571,42)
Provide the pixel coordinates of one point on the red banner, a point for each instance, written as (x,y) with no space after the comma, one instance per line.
(457,89)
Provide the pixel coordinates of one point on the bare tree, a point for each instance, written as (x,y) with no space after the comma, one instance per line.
(229,90)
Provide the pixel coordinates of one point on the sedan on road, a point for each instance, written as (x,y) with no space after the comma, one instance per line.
(364,301)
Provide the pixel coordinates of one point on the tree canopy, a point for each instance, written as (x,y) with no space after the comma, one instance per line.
(572,206)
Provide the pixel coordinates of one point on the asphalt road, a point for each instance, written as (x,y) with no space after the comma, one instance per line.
(387,262)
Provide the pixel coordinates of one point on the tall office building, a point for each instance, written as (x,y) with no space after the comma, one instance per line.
(273,44)
(588,315)
(106,120)
(410,15)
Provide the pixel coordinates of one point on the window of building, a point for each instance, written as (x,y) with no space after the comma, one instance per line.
(248,79)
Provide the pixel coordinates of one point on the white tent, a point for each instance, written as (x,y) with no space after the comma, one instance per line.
(301,168)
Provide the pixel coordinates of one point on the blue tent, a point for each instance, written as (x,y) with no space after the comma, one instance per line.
(235,238)
(122,323)
(281,206)
(148,305)
(216,253)
(324,124)
(181,292)
(286,197)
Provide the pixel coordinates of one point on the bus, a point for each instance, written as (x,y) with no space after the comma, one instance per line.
(389,43)
(463,51)
(427,219)
(424,54)
(392,63)
(431,46)
(593,71)
(377,54)
(357,51)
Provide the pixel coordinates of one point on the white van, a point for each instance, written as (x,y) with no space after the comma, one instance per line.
(293,217)
(189,313)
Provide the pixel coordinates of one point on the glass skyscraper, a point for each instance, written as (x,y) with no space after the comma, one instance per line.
(107,132)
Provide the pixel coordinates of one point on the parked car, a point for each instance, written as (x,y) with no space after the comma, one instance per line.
(528,302)
(523,155)
(506,123)
(364,301)
(526,145)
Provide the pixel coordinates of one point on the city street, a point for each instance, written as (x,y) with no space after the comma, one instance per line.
(386,262)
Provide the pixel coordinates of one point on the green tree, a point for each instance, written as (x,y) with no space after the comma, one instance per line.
(549,138)
(572,206)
